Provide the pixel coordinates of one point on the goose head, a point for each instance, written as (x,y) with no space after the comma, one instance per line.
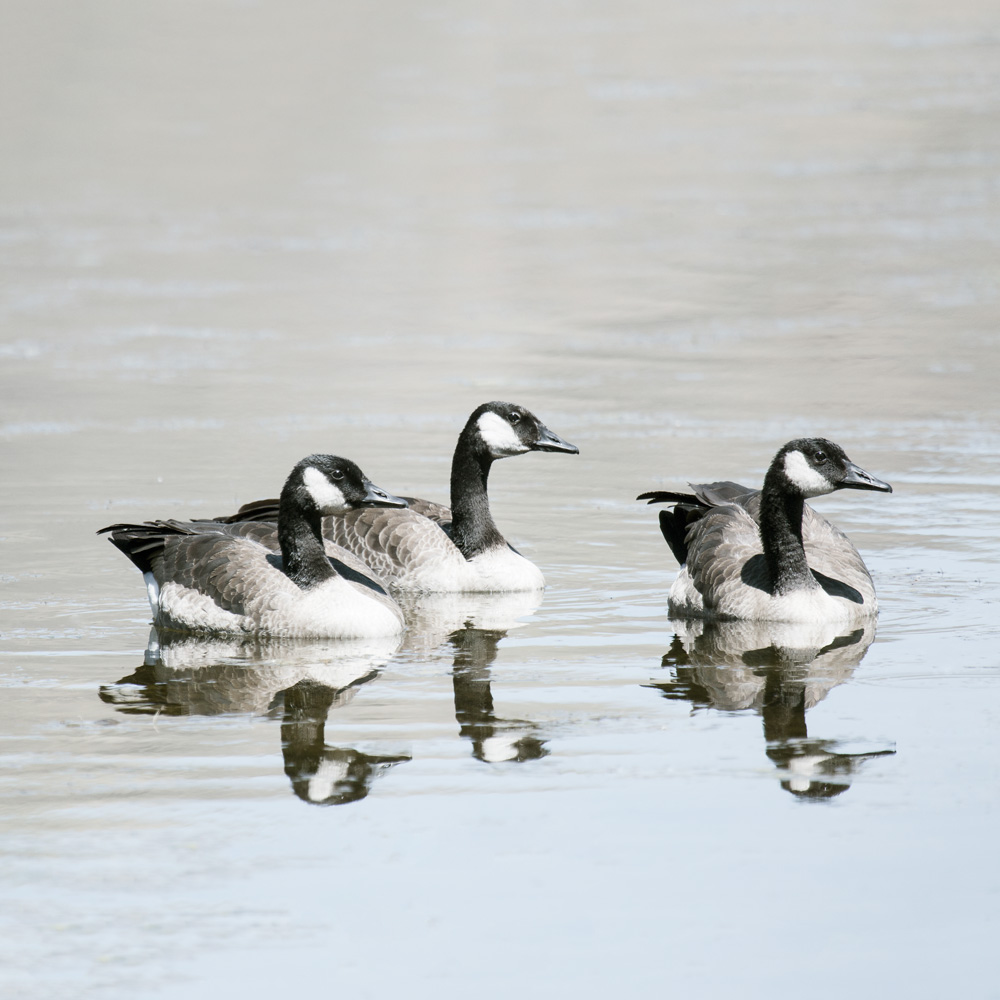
(328,484)
(810,467)
(505,429)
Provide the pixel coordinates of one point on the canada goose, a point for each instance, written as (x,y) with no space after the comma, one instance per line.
(765,555)
(779,670)
(219,578)
(430,548)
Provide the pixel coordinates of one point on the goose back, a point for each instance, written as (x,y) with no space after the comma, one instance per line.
(416,553)
(766,555)
(432,548)
(239,577)
(725,574)
(221,582)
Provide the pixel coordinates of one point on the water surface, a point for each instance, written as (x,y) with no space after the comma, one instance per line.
(233,234)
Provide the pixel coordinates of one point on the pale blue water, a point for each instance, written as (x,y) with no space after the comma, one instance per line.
(238,234)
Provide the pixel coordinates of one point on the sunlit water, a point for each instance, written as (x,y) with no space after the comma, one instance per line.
(236,233)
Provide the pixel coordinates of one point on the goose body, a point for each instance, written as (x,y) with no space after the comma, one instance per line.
(430,548)
(416,554)
(218,578)
(765,555)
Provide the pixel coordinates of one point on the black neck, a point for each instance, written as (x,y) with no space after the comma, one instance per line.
(300,535)
(781,536)
(472,527)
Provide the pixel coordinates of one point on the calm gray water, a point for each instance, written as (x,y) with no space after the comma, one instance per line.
(234,233)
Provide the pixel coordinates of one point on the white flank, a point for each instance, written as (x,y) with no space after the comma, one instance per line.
(329,499)
(499,436)
(805,477)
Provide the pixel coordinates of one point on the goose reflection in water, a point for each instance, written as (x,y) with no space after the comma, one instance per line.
(321,774)
(493,740)
(780,671)
(296,681)
(472,625)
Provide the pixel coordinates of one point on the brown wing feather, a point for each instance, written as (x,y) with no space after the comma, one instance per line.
(267,510)
(392,541)
(725,537)
(729,535)
(229,571)
(437,512)
(351,567)
(830,552)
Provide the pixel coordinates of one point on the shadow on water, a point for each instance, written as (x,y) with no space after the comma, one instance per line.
(298,682)
(779,671)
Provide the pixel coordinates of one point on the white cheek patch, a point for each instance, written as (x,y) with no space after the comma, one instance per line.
(802,475)
(327,497)
(328,776)
(499,436)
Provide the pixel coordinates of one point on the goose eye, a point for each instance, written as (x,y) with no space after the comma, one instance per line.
(514,417)
(336,475)
(819,456)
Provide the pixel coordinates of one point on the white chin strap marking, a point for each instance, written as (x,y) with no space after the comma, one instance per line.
(328,775)
(804,476)
(499,436)
(327,497)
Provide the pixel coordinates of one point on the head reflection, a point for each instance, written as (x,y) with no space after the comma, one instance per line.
(472,625)
(780,671)
(296,681)
(321,774)
(493,740)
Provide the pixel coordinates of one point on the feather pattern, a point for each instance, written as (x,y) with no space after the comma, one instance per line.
(765,555)
(431,548)
(269,579)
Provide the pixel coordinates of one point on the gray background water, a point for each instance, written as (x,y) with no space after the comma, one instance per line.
(233,233)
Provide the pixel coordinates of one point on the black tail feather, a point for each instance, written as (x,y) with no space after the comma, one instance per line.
(664,496)
(140,542)
(674,523)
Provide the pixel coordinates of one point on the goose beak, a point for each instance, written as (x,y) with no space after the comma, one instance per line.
(855,478)
(375,496)
(547,441)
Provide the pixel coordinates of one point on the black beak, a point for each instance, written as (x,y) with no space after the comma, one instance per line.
(855,478)
(547,441)
(377,497)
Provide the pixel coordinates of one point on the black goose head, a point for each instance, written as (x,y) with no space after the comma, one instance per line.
(328,484)
(810,467)
(504,429)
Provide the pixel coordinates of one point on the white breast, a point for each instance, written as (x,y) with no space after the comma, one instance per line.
(815,606)
(503,569)
(334,609)
(499,570)
(748,603)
